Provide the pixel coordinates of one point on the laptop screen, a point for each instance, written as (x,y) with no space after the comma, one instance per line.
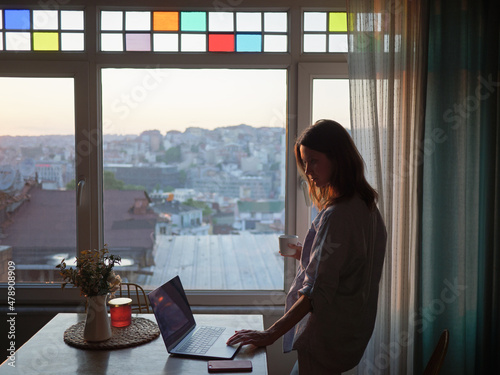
(172,311)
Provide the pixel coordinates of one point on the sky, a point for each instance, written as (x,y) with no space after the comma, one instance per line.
(36,106)
(173,99)
(135,100)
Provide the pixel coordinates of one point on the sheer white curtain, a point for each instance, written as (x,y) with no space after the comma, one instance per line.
(387,74)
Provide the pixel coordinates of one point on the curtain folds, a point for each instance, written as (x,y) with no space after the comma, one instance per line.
(387,75)
(460,282)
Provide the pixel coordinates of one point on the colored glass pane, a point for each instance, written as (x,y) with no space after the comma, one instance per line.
(221,43)
(193,43)
(275,43)
(337,43)
(72,20)
(352,18)
(369,21)
(138,21)
(248,21)
(377,17)
(392,44)
(111,20)
(18,41)
(248,43)
(111,42)
(165,21)
(315,21)
(17,19)
(72,42)
(314,43)
(45,20)
(193,21)
(138,42)
(221,21)
(166,42)
(275,22)
(45,41)
(337,22)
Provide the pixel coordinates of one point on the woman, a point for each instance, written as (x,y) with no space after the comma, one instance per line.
(331,306)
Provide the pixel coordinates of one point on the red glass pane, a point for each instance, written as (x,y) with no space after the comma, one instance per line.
(221,43)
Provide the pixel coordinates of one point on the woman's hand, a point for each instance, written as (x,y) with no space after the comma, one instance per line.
(298,250)
(264,338)
(257,338)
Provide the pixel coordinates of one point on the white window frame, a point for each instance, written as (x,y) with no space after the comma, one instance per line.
(86,66)
(307,73)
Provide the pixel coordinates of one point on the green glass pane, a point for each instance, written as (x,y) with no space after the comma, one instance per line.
(45,41)
(193,21)
(337,22)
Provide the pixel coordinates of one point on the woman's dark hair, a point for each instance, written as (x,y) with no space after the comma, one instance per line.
(348,177)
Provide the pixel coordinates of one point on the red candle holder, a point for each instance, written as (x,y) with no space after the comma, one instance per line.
(121,312)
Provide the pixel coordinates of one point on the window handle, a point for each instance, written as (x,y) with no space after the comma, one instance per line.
(305,190)
(79,191)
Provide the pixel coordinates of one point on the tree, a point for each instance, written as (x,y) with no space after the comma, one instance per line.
(205,208)
(172,155)
(110,182)
(71,185)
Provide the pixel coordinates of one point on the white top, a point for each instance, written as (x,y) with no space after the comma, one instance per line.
(340,269)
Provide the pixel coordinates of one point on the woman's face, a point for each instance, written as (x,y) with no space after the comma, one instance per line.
(317,166)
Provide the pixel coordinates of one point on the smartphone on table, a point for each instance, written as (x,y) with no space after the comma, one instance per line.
(229,366)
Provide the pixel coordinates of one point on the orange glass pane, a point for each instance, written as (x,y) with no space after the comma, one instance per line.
(165,21)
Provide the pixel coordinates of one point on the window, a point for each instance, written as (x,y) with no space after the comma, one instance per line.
(200,155)
(220,175)
(330,100)
(325,32)
(40,30)
(37,144)
(324,93)
(194,31)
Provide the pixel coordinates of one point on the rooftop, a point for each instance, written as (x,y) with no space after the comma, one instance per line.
(46,223)
(224,262)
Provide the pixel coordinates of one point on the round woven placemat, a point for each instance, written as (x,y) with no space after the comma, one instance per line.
(140,331)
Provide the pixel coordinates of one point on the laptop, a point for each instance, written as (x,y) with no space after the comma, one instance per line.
(179,330)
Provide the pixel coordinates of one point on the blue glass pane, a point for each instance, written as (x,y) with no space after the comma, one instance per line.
(17,19)
(248,43)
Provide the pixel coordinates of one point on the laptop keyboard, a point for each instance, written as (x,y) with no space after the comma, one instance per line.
(201,340)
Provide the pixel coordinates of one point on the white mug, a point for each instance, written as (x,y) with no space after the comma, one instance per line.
(286,239)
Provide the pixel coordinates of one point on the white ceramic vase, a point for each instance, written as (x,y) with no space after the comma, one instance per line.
(97,325)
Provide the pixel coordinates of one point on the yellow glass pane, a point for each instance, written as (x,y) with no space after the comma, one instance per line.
(337,22)
(165,21)
(352,20)
(45,41)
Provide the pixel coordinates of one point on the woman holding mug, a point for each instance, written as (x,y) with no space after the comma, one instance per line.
(331,306)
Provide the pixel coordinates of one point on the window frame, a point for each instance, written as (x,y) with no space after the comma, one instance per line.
(86,67)
(307,72)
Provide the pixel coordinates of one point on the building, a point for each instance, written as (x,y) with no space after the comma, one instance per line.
(260,216)
(179,219)
(41,230)
(149,177)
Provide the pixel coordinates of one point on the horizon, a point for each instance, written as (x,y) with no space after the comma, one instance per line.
(147,130)
(135,100)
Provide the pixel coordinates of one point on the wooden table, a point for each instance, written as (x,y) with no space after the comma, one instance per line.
(47,353)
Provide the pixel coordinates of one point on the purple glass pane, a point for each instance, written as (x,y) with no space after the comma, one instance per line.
(138,42)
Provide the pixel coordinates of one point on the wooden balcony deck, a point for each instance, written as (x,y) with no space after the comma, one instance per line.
(224,262)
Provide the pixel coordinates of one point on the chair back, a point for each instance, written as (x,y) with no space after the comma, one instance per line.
(140,303)
(434,365)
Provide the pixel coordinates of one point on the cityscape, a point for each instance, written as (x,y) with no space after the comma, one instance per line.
(228,181)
